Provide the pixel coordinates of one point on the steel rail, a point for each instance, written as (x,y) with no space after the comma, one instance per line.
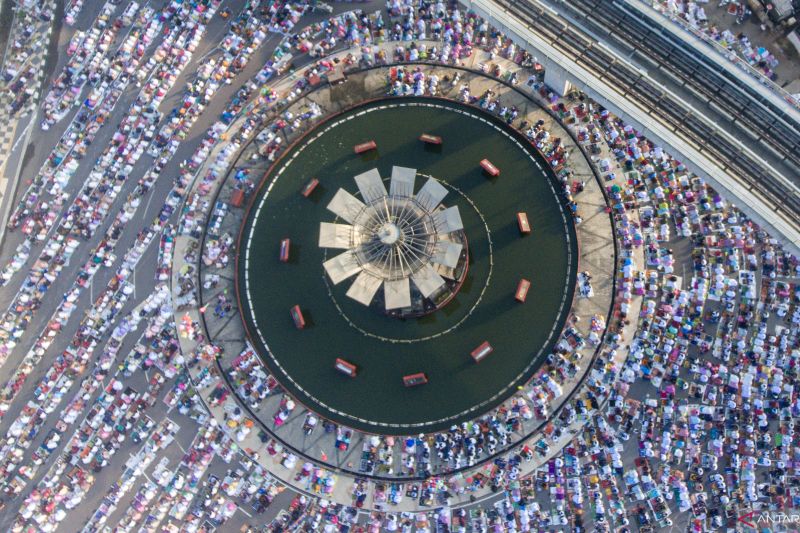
(658,104)
(772,125)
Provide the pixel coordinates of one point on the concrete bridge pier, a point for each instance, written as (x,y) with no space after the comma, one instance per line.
(556,78)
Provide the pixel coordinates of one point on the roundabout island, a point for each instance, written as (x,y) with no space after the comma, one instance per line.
(404,260)
(310,358)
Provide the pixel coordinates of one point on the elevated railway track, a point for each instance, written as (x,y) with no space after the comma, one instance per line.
(774,183)
(776,127)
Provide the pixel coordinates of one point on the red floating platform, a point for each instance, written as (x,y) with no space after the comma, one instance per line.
(522,221)
(412,380)
(348,369)
(309,188)
(430,139)
(297,316)
(522,290)
(285,246)
(365,147)
(479,353)
(490,168)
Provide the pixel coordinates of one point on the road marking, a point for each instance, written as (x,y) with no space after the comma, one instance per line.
(152,194)
(21,136)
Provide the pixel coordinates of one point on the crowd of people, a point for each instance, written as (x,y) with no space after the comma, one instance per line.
(26,43)
(656,202)
(696,418)
(245,37)
(458,447)
(737,45)
(717,351)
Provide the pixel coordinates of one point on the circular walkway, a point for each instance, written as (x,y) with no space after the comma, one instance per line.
(596,255)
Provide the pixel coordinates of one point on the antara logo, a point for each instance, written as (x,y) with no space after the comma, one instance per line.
(745,519)
(753,518)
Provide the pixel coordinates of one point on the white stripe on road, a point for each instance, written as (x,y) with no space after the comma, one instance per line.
(21,136)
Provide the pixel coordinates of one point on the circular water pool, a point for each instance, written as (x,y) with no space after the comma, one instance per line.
(384,348)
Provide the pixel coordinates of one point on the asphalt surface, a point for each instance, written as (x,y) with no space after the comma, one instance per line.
(144,277)
(6,18)
(34,154)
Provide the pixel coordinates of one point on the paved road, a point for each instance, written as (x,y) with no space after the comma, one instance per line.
(144,278)
(15,130)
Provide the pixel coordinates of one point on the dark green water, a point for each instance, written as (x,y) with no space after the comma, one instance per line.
(383,348)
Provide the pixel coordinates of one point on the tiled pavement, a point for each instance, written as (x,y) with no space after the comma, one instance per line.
(9,122)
